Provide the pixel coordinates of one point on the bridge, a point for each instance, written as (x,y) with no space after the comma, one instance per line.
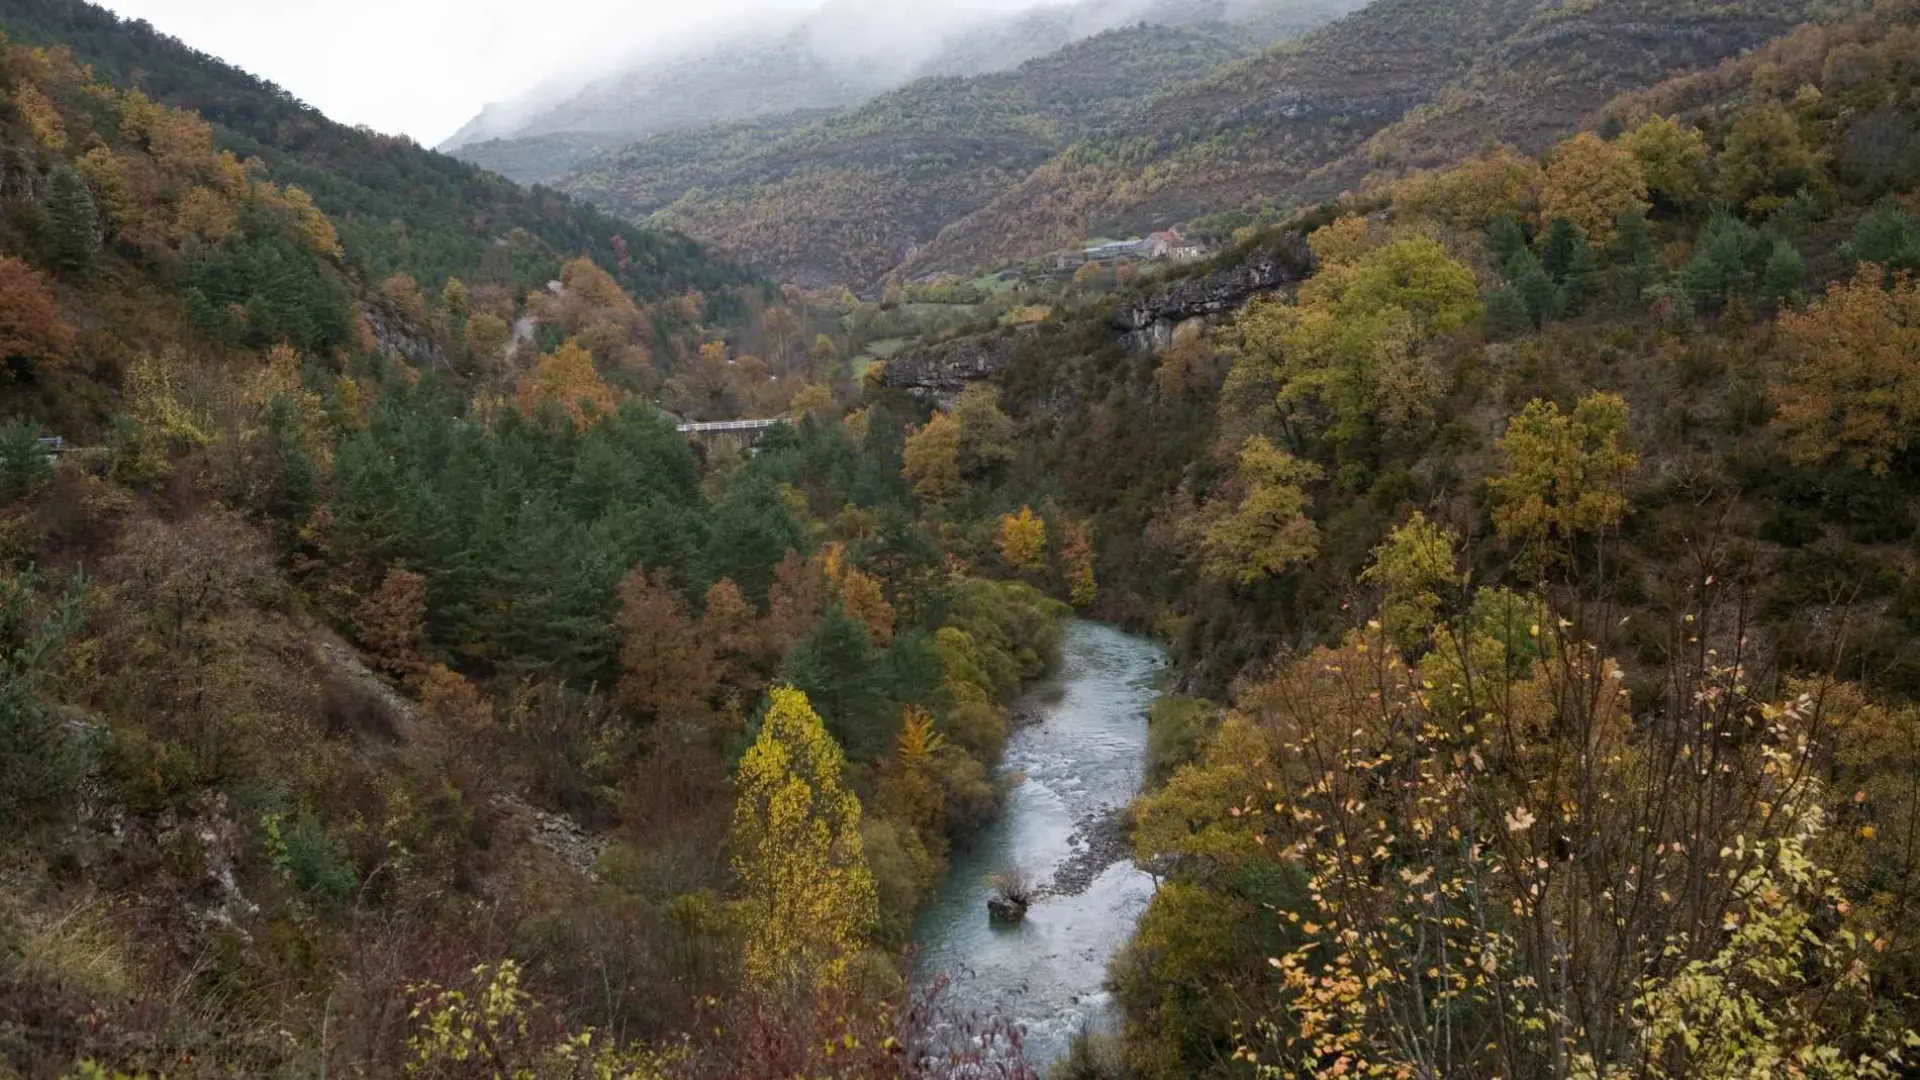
(730,427)
(747,433)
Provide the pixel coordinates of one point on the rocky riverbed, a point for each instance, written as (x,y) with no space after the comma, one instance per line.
(1079,745)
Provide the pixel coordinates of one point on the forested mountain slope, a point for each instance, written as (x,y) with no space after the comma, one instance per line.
(350,640)
(399,208)
(1558,477)
(1535,535)
(1297,124)
(839,56)
(843,198)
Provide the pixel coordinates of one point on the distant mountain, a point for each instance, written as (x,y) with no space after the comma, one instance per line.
(1397,84)
(398,207)
(844,197)
(842,55)
(1149,126)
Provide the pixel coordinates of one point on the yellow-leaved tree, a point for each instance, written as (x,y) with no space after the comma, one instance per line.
(1263,528)
(1589,181)
(1852,385)
(808,900)
(566,377)
(1565,474)
(1023,539)
(932,459)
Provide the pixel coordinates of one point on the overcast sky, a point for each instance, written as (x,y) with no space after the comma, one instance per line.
(424,67)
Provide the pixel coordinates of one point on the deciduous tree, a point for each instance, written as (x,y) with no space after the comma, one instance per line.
(808,901)
(1023,539)
(1851,390)
(1563,475)
(932,460)
(666,666)
(1260,527)
(1672,158)
(392,623)
(1589,181)
(566,377)
(32,334)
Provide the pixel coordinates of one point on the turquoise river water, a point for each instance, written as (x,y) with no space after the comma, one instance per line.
(1083,757)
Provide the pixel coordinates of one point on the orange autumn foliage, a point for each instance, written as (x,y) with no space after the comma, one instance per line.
(31,330)
(566,377)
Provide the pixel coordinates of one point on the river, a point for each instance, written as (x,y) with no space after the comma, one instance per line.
(1083,759)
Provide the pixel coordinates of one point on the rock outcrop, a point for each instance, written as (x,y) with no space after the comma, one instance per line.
(396,335)
(1148,321)
(940,371)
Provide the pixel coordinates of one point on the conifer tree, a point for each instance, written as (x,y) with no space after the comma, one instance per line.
(73,220)
(1785,274)
(1535,288)
(1505,237)
(1636,263)
(1506,314)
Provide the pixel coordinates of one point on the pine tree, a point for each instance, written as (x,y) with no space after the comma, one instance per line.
(1505,237)
(1535,288)
(836,666)
(1888,237)
(1582,275)
(74,231)
(1785,274)
(1506,315)
(1636,263)
(1722,263)
(1558,248)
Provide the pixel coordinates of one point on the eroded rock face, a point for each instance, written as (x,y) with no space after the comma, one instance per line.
(1148,322)
(939,372)
(396,335)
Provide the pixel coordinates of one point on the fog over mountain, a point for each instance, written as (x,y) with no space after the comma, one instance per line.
(774,56)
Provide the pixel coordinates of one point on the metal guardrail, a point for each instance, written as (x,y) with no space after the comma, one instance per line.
(722,427)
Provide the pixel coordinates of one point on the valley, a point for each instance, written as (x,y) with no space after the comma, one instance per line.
(1271,538)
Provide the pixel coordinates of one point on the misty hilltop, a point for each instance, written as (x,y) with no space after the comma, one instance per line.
(842,54)
(1137,130)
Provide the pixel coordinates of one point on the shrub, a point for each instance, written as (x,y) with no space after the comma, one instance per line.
(302,851)
(40,760)
(23,463)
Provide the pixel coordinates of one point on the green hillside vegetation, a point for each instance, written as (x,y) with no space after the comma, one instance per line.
(1478,540)
(1299,124)
(400,209)
(388,689)
(369,718)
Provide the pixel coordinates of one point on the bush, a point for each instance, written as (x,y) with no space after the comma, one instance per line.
(41,761)
(23,463)
(1177,728)
(317,864)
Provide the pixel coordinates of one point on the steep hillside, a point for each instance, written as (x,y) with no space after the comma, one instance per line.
(846,198)
(349,644)
(1296,125)
(843,54)
(1540,481)
(399,208)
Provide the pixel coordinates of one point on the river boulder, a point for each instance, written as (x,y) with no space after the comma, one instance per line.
(1002,909)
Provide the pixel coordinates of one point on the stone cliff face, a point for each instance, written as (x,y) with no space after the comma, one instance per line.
(396,335)
(937,373)
(1148,322)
